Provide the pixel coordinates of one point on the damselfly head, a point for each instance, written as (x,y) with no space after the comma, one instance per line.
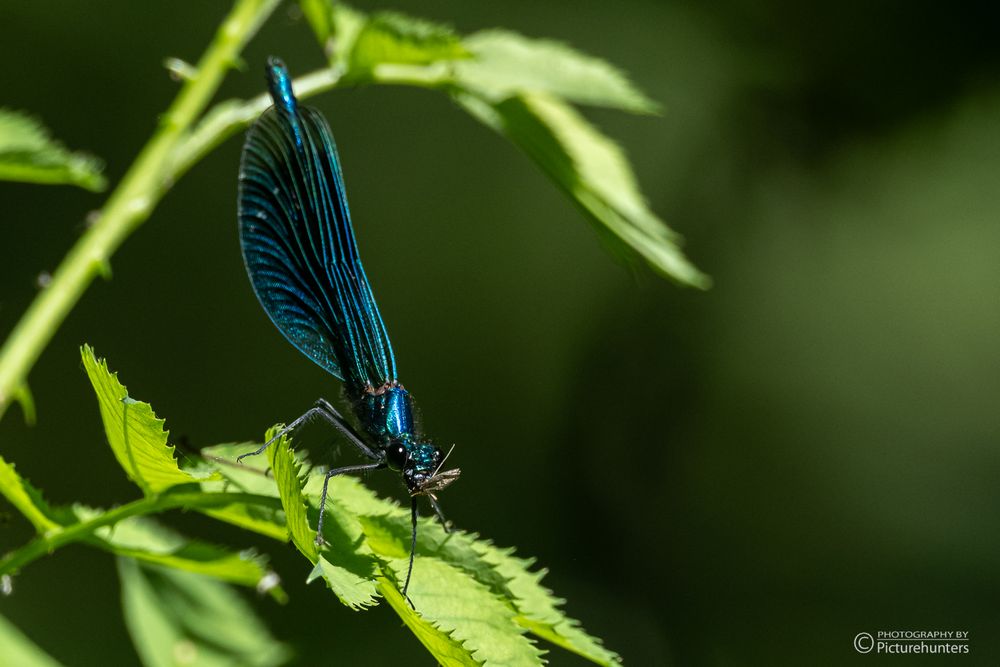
(422,472)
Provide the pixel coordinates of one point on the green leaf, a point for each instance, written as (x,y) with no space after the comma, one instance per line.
(25,498)
(180,618)
(452,598)
(138,537)
(367,553)
(249,476)
(389,534)
(475,602)
(347,24)
(354,590)
(30,155)
(336,26)
(252,474)
(347,563)
(285,469)
(266,521)
(448,651)
(538,608)
(319,14)
(134,432)
(522,87)
(505,64)
(390,38)
(17,649)
(593,171)
(144,539)
(352,576)
(350,497)
(457,604)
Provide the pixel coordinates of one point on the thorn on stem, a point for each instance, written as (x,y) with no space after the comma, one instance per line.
(237,64)
(179,70)
(103,267)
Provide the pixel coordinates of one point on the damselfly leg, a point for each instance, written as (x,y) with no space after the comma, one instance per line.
(326,481)
(325,411)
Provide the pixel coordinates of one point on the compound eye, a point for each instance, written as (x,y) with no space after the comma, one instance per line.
(397,456)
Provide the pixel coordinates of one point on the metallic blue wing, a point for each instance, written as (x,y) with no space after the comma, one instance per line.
(299,246)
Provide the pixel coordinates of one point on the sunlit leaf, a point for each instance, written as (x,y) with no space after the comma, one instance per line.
(504,64)
(350,570)
(252,474)
(448,651)
(134,432)
(350,497)
(367,552)
(471,599)
(267,521)
(285,469)
(17,650)
(25,498)
(389,534)
(30,155)
(354,590)
(522,88)
(249,476)
(365,43)
(144,539)
(180,618)
(319,14)
(456,603)
(347,562)
(538,609)
(593,171)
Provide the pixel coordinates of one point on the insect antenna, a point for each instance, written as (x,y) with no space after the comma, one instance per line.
(441,465)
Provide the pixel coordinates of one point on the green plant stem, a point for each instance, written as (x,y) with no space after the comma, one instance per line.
(131,202)
(59,537)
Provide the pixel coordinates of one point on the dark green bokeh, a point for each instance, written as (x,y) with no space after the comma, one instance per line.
(747,476)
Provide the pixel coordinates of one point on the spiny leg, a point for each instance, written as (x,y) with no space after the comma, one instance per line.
(335,419)
(328,413)
(311,412)
(413,547)
(326,481)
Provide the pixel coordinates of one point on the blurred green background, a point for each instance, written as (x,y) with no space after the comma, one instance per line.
(751,475)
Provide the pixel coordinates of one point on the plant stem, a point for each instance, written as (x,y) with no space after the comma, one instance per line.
(131,202)
(59,537)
